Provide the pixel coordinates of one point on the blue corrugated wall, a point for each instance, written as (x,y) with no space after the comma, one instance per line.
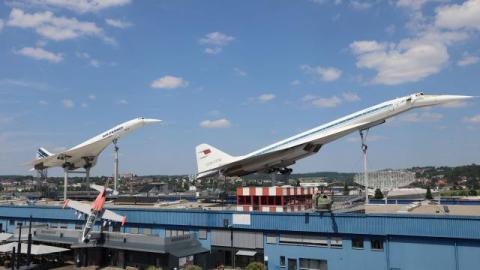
(410,241)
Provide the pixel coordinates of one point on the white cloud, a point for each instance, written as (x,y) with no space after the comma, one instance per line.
(473,119)
(424,54)
(47,25)
(350,97)
(390,29)
(84,105)
(266,98)
(91,61)
(92,97)
(2,24)
(81,6)
(68,103)
(24,84)
(295,82)
(325,73)
(412,4)
(240,72)
(169,82)
(121,102)
(42,102)
(40,54)
(118,23)
(360,5)
(220,123)
(6,119)
(323,102)
(420,117)
(468,59)
(410,60)
(215,50)
(215,41)
(458,16)
(308,98)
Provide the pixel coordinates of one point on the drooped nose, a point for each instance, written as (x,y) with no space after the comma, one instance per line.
(440,99)
(148,121)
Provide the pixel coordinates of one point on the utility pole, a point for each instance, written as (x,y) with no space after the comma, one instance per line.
(29,243)
(19,244)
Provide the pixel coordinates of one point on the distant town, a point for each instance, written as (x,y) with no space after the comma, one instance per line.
(447,181)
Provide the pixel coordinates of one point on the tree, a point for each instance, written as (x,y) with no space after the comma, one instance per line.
(428,195)
(346,190)
(255,266)
(378,194)
(472,192)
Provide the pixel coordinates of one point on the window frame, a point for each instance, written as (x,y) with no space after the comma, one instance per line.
(377,240)
(360,240)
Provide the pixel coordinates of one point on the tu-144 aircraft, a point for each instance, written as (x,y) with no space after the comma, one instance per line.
(278,156)
(95,211)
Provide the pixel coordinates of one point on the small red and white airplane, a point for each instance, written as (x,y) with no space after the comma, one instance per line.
(95,211)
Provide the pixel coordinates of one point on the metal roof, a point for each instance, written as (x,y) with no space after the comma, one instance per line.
(465,227)
(36,249)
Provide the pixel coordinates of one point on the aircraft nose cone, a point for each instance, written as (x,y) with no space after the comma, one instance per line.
(452,98)
(148,121)
(431,100)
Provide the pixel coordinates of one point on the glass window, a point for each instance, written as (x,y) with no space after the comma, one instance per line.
(11,222)
(282,261)
(202,234)
(336,242)
(307,264)
(271,239)
(78,226)
(377,244)
(134,230)
(147,231)
(357,242)
(316,240)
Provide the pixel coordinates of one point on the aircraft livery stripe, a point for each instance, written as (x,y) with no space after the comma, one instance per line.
(42,153)
(325,128)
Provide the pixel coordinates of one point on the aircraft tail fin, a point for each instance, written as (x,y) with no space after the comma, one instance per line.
(209,157)
(43,153)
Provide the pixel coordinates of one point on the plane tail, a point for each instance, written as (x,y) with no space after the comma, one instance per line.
(209,157)
(43,153)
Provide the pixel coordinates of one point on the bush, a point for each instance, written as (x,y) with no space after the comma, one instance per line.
(378,194)
(255,266)
(193,267)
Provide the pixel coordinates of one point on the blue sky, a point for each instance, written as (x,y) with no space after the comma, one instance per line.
(238,75)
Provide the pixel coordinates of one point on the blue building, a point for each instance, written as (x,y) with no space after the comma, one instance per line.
(294,240)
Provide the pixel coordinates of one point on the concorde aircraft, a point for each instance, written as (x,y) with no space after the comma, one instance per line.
(85,154)
(278,156)
(95,211)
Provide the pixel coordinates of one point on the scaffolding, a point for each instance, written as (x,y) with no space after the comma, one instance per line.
(386,180)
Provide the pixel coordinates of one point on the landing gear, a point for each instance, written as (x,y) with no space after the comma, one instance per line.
(87,167)
(363,137)
(284,173)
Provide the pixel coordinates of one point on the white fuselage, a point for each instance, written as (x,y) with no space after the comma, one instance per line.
(86,153)
(286,152)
